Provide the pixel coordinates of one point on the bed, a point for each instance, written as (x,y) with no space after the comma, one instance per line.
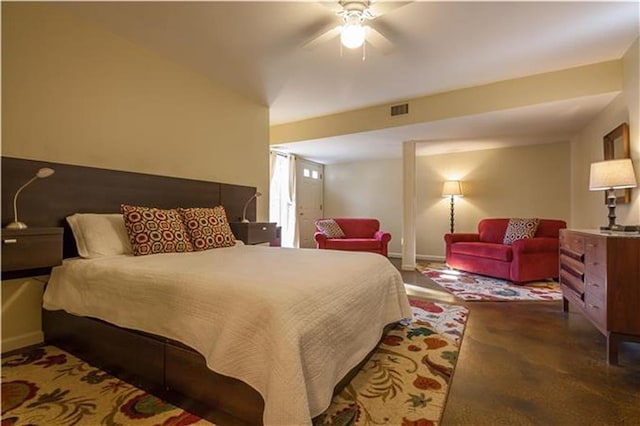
(267,334)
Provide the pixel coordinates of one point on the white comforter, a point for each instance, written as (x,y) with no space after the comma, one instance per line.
(289,322)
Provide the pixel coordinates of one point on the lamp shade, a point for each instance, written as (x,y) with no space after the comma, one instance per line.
(612,174)
(452,188)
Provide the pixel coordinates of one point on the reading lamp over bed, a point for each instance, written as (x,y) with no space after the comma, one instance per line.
(244,211)
(42,173)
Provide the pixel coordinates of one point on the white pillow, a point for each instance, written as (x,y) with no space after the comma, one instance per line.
(99,235)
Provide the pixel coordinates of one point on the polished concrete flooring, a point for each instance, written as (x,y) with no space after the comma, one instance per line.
(528,363)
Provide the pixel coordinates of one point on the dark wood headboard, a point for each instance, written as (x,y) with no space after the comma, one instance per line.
(78,189)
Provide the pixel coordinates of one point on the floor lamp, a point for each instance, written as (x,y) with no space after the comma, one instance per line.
(452,189)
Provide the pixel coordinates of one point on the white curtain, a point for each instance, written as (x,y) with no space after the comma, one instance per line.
(293,236)
(282,197)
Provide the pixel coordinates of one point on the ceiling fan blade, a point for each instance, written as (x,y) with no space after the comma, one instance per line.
(378,41)
(334,6)
(379,8)
(322,37)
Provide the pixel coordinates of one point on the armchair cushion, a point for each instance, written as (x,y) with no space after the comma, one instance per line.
(487,250)
(356,244)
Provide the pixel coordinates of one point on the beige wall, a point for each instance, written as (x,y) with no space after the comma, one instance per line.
(530,181)
(72,93)
(588,208)
(366,189)
(21,312)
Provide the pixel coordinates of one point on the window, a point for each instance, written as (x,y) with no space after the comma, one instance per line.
(305,172)
(314,174)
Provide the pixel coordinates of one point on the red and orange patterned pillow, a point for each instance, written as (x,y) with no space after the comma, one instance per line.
(152,230)
(207,227)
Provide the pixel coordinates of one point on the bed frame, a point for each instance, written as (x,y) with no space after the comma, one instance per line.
(159,365)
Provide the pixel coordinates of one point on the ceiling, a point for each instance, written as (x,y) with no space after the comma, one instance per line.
(255,49)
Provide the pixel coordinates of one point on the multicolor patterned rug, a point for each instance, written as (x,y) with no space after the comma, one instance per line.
(405,382)
(468,286)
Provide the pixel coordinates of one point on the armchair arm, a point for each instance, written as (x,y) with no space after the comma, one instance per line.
(535,245)
(321,239)
(385,237)
(461,237)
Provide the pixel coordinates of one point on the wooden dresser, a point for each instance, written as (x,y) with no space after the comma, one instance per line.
(600,275)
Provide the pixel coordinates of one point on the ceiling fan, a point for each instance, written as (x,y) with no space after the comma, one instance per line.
(353,29)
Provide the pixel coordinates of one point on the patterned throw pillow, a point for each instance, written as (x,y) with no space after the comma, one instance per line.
(330,228)
(518,229)
(208,227)
(153,230)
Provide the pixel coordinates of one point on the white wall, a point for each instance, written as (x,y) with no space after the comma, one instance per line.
(587,207)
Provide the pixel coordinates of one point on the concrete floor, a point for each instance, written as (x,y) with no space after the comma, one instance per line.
(527,363)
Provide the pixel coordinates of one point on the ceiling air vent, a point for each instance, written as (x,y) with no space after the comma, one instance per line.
(399,109)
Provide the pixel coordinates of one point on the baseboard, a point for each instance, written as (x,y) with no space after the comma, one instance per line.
(24,340)
(429,257)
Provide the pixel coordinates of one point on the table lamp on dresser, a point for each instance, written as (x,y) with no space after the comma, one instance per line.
(611,175)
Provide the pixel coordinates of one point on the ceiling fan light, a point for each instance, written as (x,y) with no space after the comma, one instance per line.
(352,35)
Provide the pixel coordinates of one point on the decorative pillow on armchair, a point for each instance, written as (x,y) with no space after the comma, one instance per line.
(519,229)
(330,228)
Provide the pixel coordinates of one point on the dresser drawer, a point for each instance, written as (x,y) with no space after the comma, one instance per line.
(596,309)
(571,265)
(26,249)
(572,281)
(596,288)
(572,242)
(595,256)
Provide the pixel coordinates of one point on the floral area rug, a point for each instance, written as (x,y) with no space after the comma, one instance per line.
(405,382)
(47,386)
(468,286)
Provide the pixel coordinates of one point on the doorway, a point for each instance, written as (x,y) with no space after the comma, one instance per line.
(309,196)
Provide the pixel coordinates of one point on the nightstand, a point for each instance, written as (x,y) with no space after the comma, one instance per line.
(30,251)
(254,232)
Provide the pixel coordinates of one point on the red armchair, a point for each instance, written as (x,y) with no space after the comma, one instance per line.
(484,253)
(360,235)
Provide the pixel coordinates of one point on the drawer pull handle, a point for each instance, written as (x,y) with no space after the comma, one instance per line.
(590,245)
(593,306)
(264,228)
(595,284)
(10,241)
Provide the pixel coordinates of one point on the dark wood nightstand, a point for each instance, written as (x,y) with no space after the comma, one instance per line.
(254,232)
(30,251)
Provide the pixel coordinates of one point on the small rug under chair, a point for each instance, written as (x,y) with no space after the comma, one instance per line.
(468,286)
(405,382)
